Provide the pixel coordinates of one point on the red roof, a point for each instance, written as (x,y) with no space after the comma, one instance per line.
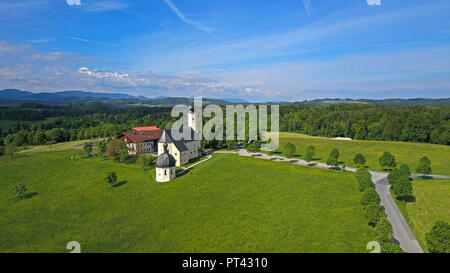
(141,136)
(148,128)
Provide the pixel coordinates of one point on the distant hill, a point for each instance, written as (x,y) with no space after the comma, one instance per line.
(393,102)
(18,96)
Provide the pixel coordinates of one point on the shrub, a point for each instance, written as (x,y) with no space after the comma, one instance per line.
(20,190)
(370,196)
(333,159)
(438,239)
(383,231)
(111,178)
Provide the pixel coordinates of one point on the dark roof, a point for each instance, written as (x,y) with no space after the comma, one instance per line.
(142,136)
(165,160)
(166,137)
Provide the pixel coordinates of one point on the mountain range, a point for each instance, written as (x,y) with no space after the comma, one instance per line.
(17,97)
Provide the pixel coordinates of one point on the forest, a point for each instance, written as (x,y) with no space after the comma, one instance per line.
(78,121)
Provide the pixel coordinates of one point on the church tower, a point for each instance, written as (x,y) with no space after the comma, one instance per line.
(192,118)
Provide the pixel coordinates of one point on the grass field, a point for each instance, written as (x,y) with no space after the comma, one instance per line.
(408,153)
(432,204)
(226,204)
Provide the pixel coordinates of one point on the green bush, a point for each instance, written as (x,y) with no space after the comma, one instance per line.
(387,160)
(438,239)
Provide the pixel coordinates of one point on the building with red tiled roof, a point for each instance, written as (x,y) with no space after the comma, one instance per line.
(141,141)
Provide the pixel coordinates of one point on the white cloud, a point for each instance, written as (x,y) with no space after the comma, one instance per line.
(186,20)
(6,47)
(73,2)
(308,6)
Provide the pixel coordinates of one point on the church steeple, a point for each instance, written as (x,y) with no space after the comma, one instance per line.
(192,117)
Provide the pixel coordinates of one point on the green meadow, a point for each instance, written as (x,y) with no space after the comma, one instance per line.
(404,152)
(225,204)
(432,204)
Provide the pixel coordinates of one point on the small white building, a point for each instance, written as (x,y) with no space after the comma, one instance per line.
(165,166)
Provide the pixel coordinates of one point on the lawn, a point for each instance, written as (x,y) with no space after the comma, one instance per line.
(408,153)
(226,204)
(432,204)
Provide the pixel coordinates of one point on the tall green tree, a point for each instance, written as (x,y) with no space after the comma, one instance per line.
(387,160)
(359,160)
(333,158)
(424,166)
(290,149)
(309,155)
(438,239)
(374,212)
(370,196)
(403,188)
(383,231)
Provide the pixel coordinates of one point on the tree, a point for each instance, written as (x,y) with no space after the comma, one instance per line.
(403,188)
(374,212)
(87,147)
(20,190)
(117,149)
(387,160)
(333,159)
(111,178)
(424,166)
(39,138)
(309,155)
(390,247)
(383,231)
(101,149)
(393,176)
(144,161)
(370,196)
(438,239)
(359,160)
(290,149)
(365,182)
(405,169)
(10,150)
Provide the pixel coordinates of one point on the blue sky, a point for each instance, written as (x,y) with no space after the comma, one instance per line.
(258,50)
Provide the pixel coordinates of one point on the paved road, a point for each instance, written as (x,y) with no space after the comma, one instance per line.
(402,232)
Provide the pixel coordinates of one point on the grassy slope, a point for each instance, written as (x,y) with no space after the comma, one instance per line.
(432,204)
(226,204)
(409,153)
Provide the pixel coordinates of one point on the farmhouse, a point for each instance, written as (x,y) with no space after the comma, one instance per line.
(141,140)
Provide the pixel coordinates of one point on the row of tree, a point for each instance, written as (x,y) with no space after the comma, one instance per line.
(374,212)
